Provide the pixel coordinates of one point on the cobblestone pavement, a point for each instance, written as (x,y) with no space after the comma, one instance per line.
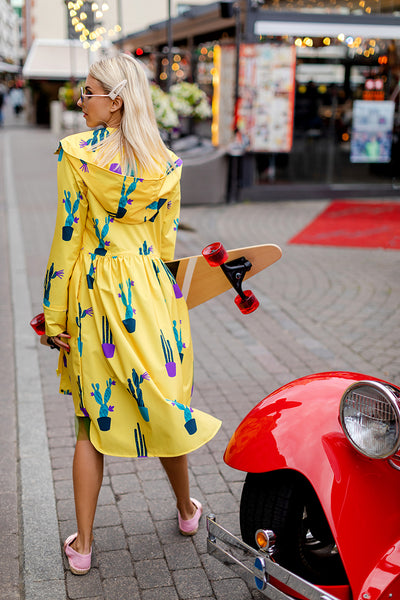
(320,309)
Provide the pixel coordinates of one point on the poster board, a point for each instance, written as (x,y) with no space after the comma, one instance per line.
(266,96)
(372,131)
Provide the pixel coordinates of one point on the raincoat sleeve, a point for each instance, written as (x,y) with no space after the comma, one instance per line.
(67,242)
(171,219)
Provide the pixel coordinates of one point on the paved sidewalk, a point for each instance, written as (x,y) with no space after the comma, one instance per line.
(321,309)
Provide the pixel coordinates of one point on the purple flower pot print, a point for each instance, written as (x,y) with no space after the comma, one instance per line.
(130,325)
(107,337)
(171,368)
(104,423)
(170,364)
(108,350)
(67,233)
(177,291)
(100,251)
(191,426)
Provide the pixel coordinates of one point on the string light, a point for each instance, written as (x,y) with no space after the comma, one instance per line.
(95,36)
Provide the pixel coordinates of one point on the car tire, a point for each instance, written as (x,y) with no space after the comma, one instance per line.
(286,503)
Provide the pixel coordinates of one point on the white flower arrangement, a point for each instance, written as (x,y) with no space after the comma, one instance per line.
(166,115)
(190,101)
(183,100)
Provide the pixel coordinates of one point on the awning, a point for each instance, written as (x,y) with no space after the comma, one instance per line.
(8,68)
(57,59)
(331,25)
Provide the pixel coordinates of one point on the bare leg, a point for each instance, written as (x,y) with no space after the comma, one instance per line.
(176,468)
(87,477)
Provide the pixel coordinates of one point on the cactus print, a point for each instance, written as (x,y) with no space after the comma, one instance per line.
(130,364)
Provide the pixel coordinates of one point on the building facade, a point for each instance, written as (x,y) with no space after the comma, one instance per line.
(347,54)
(9,38)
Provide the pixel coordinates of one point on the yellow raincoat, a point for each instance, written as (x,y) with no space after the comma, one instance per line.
(130,367)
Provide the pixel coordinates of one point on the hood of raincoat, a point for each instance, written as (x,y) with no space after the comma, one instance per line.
(126,198)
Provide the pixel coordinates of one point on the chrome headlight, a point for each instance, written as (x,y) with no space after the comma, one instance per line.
(370,417)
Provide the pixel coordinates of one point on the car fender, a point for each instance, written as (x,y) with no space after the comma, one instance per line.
(297,427)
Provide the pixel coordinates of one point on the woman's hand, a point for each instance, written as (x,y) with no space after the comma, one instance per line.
(59,341)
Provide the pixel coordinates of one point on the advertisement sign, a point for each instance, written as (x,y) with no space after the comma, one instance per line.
(372,130)
(266,103)
(266,89)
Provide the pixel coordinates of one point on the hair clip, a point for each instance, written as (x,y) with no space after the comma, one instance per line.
(117,89)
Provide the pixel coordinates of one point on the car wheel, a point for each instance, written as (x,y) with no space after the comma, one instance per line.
(286,503)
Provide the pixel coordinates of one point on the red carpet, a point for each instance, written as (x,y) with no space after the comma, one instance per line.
(357,224)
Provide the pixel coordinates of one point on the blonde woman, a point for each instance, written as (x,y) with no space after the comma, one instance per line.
(112,306)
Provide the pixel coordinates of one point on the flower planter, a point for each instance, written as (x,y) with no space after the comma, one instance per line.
(104,423)
(100,251)
(108,350)
(90,281)
(171,369)
(130,325)
(191,426)
(67,232)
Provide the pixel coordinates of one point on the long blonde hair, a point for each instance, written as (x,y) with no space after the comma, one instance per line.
(137,139)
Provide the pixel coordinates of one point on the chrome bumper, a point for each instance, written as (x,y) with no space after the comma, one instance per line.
(256,567)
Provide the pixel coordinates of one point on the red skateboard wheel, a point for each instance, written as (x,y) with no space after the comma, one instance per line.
(215,254)
(38,324)
(249,305)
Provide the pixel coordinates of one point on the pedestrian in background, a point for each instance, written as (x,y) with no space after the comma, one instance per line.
(112,306)
(17,99)
(3,92)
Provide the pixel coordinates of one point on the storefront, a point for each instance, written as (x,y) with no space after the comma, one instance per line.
(49,64)
(343,56)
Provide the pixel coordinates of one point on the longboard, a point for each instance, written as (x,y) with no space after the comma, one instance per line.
(200,282)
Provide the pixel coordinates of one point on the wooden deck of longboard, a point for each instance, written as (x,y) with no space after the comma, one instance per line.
(199,282)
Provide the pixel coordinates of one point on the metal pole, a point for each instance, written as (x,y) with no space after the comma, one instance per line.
(237,64)
(169,47)
(169,66)
(119,17)
(235,154)
(330,167)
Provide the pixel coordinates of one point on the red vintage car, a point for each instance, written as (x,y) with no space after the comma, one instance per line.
(319,512)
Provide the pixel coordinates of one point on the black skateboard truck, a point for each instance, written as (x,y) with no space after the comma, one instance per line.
(235,271)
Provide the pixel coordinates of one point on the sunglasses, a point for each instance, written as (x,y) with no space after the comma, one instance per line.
(113,94)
